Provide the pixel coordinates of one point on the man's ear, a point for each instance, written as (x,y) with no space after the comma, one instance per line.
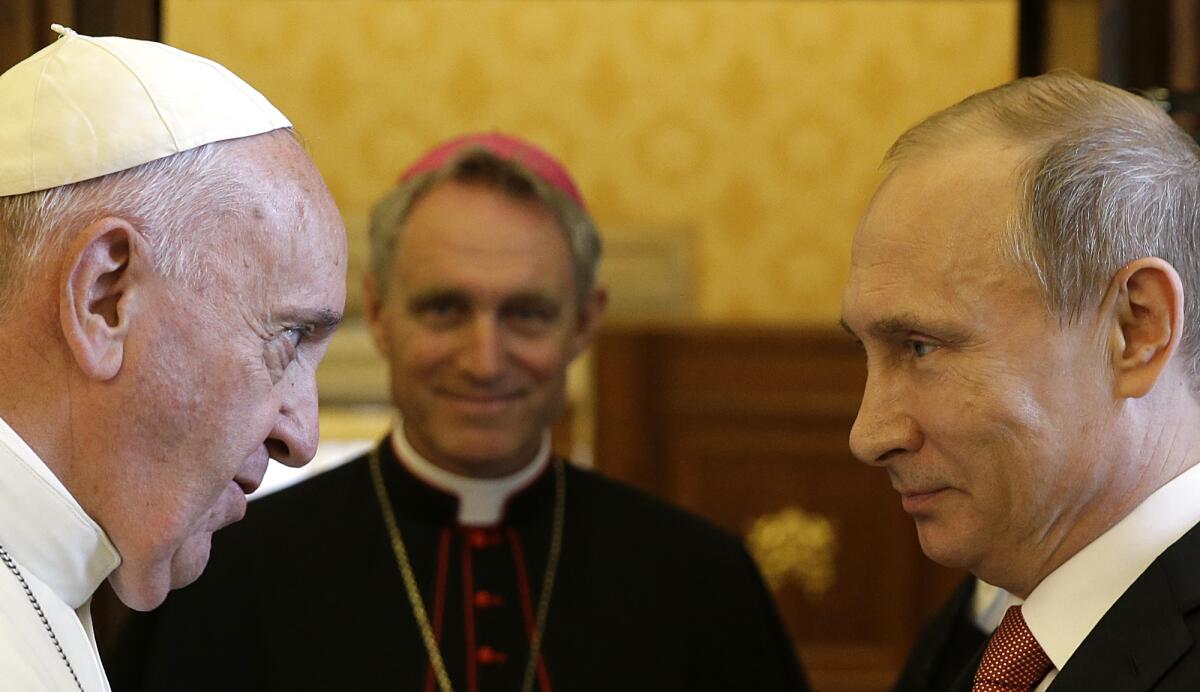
(373,304)
(591,314)
(1147,314)
(96,295)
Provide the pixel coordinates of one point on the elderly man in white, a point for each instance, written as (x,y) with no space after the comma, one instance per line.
(171,269)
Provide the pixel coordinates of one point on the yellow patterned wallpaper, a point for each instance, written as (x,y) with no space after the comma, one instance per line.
(754,127)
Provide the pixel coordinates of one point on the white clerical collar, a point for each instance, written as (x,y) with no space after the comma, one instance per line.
(1068,603)
(481,501)
(45,529)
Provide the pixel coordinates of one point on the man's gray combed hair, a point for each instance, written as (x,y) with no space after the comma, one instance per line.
(172,201)
(1109,179)
(479,166)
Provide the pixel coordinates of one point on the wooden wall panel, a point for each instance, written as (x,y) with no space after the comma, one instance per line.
(25,24)
(16,33)
(25,27)
(737,424)
(129,18)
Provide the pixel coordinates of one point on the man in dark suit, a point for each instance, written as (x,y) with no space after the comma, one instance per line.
(460,553)
(1026,286)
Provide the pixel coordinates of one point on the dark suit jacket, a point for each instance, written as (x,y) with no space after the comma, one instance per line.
(947,644)
(304,594)
(1147,640)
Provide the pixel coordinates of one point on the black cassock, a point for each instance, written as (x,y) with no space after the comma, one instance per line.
(305,594)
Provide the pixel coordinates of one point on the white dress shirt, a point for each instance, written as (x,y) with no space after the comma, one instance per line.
(481,501)
(63,556)
(1062,610)
(989,604)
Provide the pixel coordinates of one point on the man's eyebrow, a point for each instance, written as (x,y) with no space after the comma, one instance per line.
(323,319)
(425,296)
(899,325)
(327,320)
(532,296)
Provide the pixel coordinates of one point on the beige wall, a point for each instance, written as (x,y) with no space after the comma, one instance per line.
(753,127)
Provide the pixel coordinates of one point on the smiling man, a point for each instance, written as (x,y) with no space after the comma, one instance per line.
(1026,286)
(461,554)
(171,267)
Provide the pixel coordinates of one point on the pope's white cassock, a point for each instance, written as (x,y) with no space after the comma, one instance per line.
(62,556)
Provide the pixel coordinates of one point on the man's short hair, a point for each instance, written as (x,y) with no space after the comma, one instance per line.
(174,202)
(1109,178)
(477,166)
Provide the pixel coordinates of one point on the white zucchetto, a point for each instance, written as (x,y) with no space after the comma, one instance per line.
(84,107)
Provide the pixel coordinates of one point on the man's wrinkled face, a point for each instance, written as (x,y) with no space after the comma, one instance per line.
(479,322)
(224,379)
(983,409)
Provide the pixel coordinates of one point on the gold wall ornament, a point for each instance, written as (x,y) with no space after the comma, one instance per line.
(795,548)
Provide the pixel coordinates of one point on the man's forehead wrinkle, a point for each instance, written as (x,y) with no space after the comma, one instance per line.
(260,325)
(920,243)
(890,293)
(886,264)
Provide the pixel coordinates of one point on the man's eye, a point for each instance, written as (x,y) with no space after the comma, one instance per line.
(295,335)
(283,349)
(526,313)
(921,349)
(440,311)
(532,319)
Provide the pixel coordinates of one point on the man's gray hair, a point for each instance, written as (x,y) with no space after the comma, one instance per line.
(1109,179)
(173,202)
(481,167)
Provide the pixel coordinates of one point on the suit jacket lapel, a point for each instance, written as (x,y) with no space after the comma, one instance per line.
(945,645)
(1144,633)
(966,678)
(1140,637)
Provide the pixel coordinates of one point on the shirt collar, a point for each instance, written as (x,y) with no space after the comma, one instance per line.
(45,529)
(989,604)
(1068,603)
(481,501)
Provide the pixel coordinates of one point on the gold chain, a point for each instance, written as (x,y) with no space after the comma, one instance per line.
(414,592)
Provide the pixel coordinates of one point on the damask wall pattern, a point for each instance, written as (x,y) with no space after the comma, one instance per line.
(756,128)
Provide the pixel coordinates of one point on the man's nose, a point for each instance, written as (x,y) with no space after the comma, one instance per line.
(883,427)
(482,354)
(293,440)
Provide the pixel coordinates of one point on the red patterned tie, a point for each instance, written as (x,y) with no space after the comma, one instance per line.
(1013,660)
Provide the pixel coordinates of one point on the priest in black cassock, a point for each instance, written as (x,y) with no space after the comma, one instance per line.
(460,553)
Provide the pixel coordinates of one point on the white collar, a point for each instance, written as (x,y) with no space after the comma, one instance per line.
(1068,603)
(45,529)
(989,604)
(481,501)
